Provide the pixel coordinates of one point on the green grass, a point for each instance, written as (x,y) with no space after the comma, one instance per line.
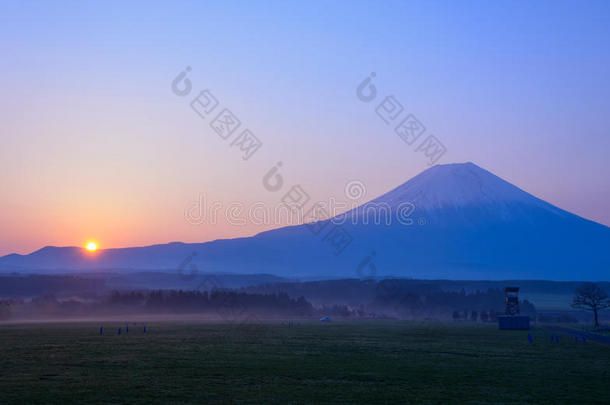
(354,362)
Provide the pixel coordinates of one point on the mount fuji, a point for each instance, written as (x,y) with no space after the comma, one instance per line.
(453,221)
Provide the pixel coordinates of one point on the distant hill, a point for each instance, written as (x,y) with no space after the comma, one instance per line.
(466,224)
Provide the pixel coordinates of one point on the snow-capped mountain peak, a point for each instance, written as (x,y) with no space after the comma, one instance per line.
(457,186)
(465,223)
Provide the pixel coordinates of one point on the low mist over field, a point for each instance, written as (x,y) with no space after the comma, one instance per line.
(231,297)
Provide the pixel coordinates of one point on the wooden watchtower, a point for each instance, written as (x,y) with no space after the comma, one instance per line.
(511,295)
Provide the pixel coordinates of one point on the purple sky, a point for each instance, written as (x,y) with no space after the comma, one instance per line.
(96,145)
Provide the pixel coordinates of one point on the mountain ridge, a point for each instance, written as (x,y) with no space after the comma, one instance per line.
(476,225)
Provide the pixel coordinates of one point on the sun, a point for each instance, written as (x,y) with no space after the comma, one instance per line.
(91,246)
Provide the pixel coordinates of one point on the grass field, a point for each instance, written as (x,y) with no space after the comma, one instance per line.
(353,362)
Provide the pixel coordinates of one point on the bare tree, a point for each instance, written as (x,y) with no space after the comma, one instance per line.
(591,297)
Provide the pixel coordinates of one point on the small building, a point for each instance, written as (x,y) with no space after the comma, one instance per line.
(512,320)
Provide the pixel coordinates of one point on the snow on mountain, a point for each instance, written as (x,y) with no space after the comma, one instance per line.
(459,187)
(465,223)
